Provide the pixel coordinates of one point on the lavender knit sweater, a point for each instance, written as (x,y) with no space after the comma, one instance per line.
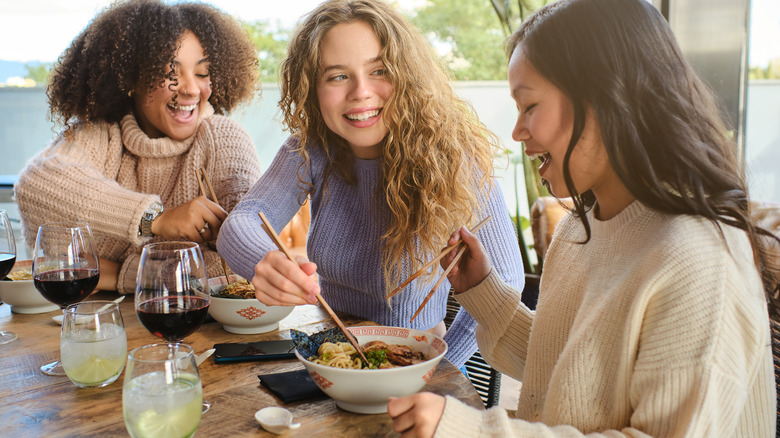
(344,242)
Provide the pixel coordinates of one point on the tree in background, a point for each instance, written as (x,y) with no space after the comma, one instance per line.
(38,72)
(468,36)
(771,71)
(271,43)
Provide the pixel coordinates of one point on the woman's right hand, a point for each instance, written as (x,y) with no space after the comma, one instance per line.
(187,220)
(473,266)
(281,282)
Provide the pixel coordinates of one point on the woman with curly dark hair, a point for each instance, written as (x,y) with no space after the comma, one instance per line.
(137,93)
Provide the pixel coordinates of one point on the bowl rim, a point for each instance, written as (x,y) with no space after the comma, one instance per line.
(437,357)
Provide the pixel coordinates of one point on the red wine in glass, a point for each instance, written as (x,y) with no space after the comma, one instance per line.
(172,294)
(66,268)
(173,318)
(66,286)
(7,262)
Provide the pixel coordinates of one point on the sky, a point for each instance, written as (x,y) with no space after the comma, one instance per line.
(40,30)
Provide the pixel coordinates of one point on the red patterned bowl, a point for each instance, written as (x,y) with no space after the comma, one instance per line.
(366,391)
(244,316)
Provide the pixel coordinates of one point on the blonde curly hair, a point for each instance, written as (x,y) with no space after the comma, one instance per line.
(437,158)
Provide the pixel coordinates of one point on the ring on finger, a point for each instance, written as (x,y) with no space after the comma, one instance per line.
(203,230)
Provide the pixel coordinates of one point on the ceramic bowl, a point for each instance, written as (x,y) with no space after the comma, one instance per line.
(22,295)
(244,316)
(366,391)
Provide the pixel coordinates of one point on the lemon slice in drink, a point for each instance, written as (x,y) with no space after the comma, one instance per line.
(179,422)
(97,369)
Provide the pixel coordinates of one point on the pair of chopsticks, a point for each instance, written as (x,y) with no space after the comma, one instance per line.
(279,244)
(200,175)
(462,248)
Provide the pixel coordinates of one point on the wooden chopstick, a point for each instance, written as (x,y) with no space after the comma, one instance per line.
(200,175)
(452,264)
(208,184)
(441,255)
(279,244)
(438,283)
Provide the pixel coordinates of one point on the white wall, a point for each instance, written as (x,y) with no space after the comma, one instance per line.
(24,130)
(762,140)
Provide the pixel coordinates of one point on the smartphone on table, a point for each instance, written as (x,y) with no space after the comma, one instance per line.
(249,351)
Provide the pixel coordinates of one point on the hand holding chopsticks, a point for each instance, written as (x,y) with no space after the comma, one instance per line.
(431,263)
(457,245)
(279,244)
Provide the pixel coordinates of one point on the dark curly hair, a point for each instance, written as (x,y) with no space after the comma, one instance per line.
(131,46)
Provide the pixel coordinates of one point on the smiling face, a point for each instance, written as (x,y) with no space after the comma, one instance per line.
(352,87)
(173,110)
(545,124)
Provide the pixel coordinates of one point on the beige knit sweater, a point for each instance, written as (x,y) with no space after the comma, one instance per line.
(656,327)
(108,174)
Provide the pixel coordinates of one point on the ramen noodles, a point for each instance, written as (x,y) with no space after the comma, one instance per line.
(380,355)
(240,289)
(20,274)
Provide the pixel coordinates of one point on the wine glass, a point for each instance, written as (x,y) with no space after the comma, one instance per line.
(65,268)
(172,294)
(7,260)
(162,393)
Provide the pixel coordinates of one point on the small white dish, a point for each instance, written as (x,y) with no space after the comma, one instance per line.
(276,420)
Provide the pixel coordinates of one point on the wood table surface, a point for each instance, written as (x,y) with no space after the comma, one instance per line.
(34,404)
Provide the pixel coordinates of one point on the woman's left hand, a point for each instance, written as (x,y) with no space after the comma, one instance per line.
(416,415)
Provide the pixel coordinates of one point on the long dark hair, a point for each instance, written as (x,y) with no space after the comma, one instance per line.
(661,125)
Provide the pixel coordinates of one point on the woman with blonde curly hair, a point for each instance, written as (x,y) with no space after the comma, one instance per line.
(392,162)
(137,92)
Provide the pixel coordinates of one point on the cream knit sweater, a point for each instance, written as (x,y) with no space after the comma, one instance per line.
(108,174)
(656,327)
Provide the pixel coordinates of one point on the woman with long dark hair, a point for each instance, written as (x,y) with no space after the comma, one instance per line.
(652,317)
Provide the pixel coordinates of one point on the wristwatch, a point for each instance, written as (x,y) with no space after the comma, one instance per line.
(151,213)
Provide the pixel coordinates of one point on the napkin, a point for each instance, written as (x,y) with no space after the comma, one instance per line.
(292,385)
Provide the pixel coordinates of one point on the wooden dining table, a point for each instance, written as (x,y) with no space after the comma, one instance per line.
(35,404)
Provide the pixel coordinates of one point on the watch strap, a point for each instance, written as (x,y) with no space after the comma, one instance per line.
(149,215)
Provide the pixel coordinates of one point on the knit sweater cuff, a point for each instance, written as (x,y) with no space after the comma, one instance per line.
(459,419)
(127,276)
(483,300)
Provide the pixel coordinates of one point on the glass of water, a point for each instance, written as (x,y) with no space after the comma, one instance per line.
(162,394)
(93,344)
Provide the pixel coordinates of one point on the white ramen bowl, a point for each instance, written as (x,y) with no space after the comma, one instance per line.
(244,316)
(366,391)
(22,295)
